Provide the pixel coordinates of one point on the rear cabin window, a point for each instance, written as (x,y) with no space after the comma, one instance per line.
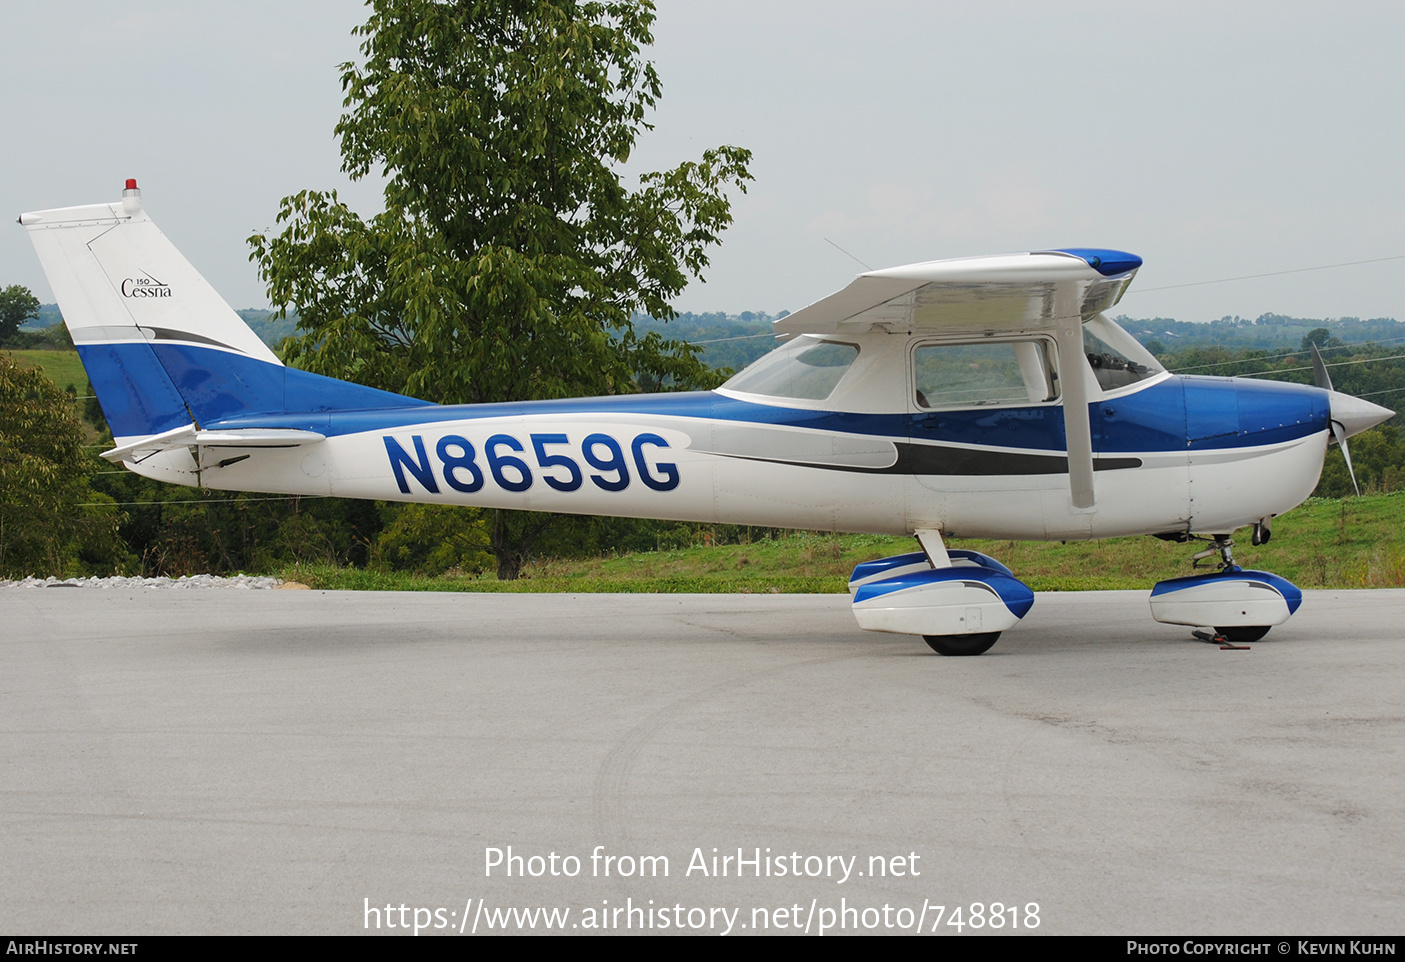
(806,368)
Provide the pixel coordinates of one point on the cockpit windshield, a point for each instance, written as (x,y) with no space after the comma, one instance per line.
(807,367)
(1117,358)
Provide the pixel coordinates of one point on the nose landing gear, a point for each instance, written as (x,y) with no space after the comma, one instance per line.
(1241,604)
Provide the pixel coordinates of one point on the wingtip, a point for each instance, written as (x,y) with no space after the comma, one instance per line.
(1105,261)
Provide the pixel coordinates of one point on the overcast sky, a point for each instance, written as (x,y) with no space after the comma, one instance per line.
(1215,140)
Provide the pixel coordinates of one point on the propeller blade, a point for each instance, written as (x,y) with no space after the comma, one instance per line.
(1345,408)
(1319,370)
(1339,433)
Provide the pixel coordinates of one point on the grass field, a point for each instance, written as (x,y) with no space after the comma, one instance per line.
(1351,543)
(62,367)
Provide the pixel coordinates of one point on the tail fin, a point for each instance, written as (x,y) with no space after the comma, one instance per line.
(162,348)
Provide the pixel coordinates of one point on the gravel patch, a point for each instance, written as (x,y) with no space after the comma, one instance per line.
(188,583)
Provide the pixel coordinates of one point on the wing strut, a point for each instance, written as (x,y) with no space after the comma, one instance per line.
(1074,386)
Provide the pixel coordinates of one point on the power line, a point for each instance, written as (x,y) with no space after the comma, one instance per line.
(1274,357)
(739,337)
(1369,360)
(1365,360)
(1393,390)
(1249,277)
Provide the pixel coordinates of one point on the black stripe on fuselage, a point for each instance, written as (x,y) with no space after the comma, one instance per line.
(938,460)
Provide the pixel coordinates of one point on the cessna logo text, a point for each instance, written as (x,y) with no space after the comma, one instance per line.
(144,287)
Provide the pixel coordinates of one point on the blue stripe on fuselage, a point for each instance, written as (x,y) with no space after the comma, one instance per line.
(231,390)
(1208,413)
(700,405)
(223,384)
(1272,411)
(1149,420)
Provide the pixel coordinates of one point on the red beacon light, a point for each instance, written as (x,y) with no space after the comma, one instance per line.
(131,197)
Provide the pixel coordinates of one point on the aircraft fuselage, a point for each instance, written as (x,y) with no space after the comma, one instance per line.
(1170,454)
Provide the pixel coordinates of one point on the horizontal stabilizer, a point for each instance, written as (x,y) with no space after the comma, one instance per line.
(189,436)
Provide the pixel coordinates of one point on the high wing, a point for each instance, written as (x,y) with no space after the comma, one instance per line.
(1051,292)
(1003,293)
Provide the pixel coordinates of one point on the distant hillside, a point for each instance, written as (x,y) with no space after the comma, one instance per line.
(1265,332)
(48,316)
(728,340)
(270,328)
(735,340)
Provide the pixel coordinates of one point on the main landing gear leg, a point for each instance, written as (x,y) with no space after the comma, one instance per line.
(958,601)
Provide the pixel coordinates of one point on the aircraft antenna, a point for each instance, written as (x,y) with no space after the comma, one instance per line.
(847,254)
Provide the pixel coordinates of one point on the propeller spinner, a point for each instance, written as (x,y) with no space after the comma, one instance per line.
(1350,415)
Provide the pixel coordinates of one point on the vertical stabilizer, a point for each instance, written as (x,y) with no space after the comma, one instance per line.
(162,348)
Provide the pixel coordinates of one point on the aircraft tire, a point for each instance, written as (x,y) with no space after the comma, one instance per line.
(1245,634)
(977,644)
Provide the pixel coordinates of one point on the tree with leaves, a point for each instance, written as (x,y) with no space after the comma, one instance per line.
(511,254)
(1320,336)
(51,521)
(17,305)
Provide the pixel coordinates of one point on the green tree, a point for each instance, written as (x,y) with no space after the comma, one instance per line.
(1320,336)
(17,305)
(432,539)
(43,482)
(510,256)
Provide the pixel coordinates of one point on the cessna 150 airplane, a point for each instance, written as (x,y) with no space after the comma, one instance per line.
(984,397)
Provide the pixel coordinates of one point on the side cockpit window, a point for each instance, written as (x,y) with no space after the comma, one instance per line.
(987,373)
(807,368)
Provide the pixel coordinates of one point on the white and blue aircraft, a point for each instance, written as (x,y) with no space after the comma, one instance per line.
(984,397)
